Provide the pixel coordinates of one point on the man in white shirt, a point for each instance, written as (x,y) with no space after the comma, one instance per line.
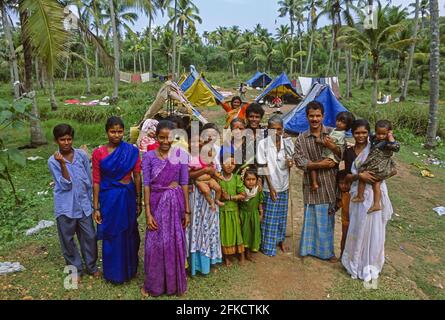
(274,164)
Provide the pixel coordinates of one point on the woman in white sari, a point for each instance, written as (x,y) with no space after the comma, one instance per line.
(364,253)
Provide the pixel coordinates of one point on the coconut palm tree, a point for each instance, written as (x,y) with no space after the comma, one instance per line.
(185,16)
(433,121)
(151,8)
(411,51)
(282,33)
(43,35)
(288,7)
(232,45)
(312,21)
(375,41)
(12,56)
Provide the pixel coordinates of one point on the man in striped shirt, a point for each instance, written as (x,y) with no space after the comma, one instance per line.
(317,238)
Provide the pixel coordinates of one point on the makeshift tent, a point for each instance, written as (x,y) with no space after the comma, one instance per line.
(186,82)
(295,121)
(202,94)
(281,86)
(260,79)
(304,84)
(171,91)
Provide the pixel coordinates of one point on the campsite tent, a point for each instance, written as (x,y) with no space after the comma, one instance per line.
(260,79)
(303,85)
(172,91)
(186,82)
(295,121)
(281,86)
(199,91)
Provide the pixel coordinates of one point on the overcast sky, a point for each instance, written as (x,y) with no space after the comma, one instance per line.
(245,14)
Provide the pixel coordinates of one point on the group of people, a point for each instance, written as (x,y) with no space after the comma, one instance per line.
(207,199)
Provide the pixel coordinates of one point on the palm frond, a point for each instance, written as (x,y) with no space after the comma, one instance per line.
(45,29)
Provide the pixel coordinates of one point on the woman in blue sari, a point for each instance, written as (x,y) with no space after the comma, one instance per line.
(117,203)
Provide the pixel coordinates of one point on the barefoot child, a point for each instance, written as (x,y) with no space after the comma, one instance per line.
(251,213)
(343,123)
(379,162)
(206,183)
(73,188)
(232,191)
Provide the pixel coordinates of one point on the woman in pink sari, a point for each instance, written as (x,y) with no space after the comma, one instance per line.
(165,172)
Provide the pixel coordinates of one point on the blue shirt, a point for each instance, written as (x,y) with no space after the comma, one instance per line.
(72,198)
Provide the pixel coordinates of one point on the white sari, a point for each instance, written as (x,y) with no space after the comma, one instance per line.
(364,253)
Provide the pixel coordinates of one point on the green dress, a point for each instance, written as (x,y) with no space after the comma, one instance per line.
(250,222)
(230,225)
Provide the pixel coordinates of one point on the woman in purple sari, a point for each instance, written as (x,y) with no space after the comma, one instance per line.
(117,203)
(167,210)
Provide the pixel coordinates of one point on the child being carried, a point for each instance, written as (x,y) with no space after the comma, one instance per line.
(343,123)
(206,182)
(379,162)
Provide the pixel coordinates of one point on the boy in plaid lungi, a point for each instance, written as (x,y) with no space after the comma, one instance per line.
(275,164)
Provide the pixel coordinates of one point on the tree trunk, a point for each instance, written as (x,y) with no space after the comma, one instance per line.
(115,51)
(309,57)
(143,63)
(140,62)
(411,53)
(388,83)
(357,76)
(301,49)
(348,72)
(433,121)
(53,100)
(87,69)
(375,79)
(37,136)
(66,68)
(292,46)
(174,42)
(96,67)
(233,69)
(134,62)
(365,71)
(150,39)
(331,52)
(179,52)
(12,55)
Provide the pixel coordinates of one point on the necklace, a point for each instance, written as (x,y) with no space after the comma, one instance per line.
(163,157)
(227,179)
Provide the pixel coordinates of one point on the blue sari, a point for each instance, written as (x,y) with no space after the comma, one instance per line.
(119,230)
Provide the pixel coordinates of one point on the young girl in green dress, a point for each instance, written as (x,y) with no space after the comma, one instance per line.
(251,213)
(230,225)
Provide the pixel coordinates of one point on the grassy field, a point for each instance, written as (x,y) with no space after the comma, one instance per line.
(415,267)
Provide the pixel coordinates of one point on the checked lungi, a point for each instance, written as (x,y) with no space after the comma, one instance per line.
(273,228)
(317,236)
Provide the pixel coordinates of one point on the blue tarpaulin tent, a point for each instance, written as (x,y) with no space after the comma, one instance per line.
(260,79)
(279,87)
(295,121)
(187,83)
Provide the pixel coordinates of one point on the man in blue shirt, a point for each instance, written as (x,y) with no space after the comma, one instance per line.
(70,169)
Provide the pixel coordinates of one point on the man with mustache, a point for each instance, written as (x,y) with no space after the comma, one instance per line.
(317,237)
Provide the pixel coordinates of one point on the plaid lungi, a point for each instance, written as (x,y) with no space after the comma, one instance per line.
(273,228)
(317,236)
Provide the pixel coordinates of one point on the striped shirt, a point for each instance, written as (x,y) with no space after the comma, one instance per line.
(306,149)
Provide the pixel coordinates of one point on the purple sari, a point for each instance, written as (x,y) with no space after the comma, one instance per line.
(165,248)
